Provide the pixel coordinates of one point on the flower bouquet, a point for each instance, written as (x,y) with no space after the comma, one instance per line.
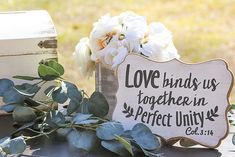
(112,39)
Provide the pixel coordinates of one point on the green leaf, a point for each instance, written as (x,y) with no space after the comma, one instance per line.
(47,73)
(72,91)
(148,153)
(126,144)
(59,96)
(23,114)
(89,121)
(232,107)
(28,78)
(56,66)
(85,140)
(12,96)
(55,118)
(187,143)
(144,137)
(109,130)
(23,127)
(50,70)
(79,117)
(98,105)
(63,131)
(83,107)
(27,89)
(116,147)
(14,146)
(233,140)
(3,140)
(127,134)
(72,107)
(5,85)
(8,108)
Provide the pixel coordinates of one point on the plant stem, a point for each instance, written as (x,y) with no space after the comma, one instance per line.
(101,119)
(82,127)
(84,94)
(38,82)
(39,135)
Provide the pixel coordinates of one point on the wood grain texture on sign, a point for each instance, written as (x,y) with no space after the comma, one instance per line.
(174,99)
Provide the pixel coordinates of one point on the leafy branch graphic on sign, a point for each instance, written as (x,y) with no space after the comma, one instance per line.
(212,113)
(128,110)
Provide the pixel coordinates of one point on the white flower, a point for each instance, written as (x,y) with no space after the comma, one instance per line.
(134,28)
(83,57)
(100,36)
(158,44)
(114,53)
(112,38)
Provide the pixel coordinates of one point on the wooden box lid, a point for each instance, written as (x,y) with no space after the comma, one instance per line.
(26,32)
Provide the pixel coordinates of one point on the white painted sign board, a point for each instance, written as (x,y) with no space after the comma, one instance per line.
(174,99)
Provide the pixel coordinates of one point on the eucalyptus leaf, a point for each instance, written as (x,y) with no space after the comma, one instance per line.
(79,117)
(13,96)
(56,66)
(127,134)
(233,139)
(126,144)
(149,153)
(5,85)
(55,118)
(25,126)
(59,95)
(3,140)
(14,146)
(72,107)
(116,147)
(232,107)
(83,107)
(98,105)
(23,114)
(63,131)
(85,140)
(144,137)
(89,121)
(72,91)
(8,108)
(109,130)
(27,89)
(28,78)
(47,73)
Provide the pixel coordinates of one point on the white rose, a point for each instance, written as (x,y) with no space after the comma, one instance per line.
(102,33)
(114,53)
(158,44)
(112,38)
(133,28)
(82,55)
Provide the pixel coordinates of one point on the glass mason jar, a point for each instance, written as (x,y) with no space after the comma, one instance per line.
(106,82)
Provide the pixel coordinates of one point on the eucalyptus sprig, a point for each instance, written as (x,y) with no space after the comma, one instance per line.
(82,120)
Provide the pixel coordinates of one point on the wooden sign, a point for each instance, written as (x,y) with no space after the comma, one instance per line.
(175,99)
